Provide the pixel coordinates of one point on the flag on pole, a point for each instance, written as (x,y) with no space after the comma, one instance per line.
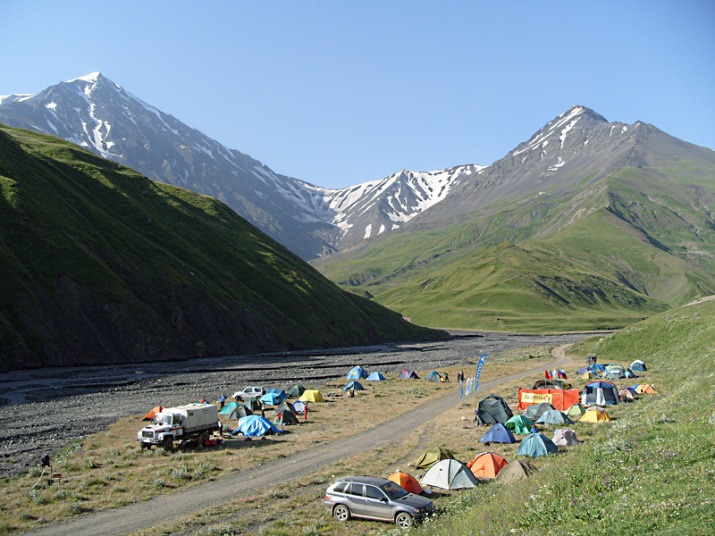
(479,371)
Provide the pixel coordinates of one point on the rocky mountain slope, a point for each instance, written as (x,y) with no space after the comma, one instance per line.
(100,265)
(95,113)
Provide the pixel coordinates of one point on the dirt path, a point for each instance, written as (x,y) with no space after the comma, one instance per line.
(172,506)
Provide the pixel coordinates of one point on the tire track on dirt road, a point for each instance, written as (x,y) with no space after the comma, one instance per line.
(174,506)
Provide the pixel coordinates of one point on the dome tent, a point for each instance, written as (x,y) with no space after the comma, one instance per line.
(565,438)
(432,456)
(449,474)
(296,391)
(554,416)
(408,375)
(357,373)
(491,410)
(434,377)
(407,482)
(599,392)
(376,377)
(312,395)
(535,411)
(498,433)
(487,465)
(354,385)
(514,471)
(519,424)
(535,445)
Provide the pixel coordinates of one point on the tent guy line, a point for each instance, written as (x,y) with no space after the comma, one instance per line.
(173,506)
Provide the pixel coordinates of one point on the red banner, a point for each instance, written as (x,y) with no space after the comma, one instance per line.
(561,399)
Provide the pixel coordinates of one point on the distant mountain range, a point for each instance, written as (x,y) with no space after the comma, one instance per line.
(587,225)
(101,265)
(95,113)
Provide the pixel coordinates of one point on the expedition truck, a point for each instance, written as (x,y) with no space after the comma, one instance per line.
(181,423)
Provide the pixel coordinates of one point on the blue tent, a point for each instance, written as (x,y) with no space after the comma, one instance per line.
(272,399)
(355,385)
(356,373)
(254,426)
(554,416)
(433,376)
(498,433)
(376,377)
(280,392)
(228,408)
(536,445)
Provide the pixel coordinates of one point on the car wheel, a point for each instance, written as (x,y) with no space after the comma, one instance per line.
(341,512)
(403,520)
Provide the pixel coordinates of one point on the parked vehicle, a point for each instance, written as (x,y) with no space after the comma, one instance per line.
(253,391)
(182,423)
(370,497)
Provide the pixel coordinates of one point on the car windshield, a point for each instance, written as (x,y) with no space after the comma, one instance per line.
(393,491)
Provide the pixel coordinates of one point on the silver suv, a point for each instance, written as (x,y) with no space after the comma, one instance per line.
(372,497)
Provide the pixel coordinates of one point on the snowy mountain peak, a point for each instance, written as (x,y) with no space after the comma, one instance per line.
(91,78)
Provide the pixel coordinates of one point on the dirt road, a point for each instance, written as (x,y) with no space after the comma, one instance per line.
(173,506)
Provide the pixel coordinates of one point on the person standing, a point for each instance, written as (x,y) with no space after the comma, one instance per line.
(222,401)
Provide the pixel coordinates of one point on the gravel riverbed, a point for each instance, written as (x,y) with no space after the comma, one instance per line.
(44,410)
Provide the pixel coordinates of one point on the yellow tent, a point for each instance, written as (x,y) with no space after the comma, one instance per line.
(588,375)
(645,388)
(312,395)
(595,415)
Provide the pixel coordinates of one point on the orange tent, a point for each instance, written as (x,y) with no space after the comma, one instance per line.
(408,482)
(150,416)
(645,388)
(487,465)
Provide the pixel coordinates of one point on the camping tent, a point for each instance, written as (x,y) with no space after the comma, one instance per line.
(357,373)
(554,416)
(595,414)
(279,392)
(432,456)
(272,399)
(299,406)
(515,470)
(312,395)
(487,465)
(408,375)
(434,376)
(535,411)
(498,434)
(407,482)
(638,366)
(285,406)
(576,411)
(626,395)
(355,385)
(491,410)
(150,416)
(519,424)
(296,391)
(254,426)
(564,437)
(645,388)
(376,377)
(588,375)
(449,474)
(615,372)
(228,408)
(286,417)
(239,411)
(536,445)
(252,403)
(599,392)
(550,384)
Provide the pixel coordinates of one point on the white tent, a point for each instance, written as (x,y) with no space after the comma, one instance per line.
(565,438)
(449,474)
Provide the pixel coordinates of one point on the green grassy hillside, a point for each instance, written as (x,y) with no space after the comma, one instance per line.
(601,256)
(99,264)
(649,471)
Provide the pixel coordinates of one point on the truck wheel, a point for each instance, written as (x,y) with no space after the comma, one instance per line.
(341,512)
(143,446)
(167,443)
(403,520)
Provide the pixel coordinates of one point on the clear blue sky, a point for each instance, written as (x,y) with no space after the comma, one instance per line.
(341,92)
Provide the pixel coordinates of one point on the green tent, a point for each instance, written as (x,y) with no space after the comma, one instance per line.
(296,391)
(519,424)
(432,456)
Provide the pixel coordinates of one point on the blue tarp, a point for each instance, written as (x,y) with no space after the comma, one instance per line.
(254,426)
